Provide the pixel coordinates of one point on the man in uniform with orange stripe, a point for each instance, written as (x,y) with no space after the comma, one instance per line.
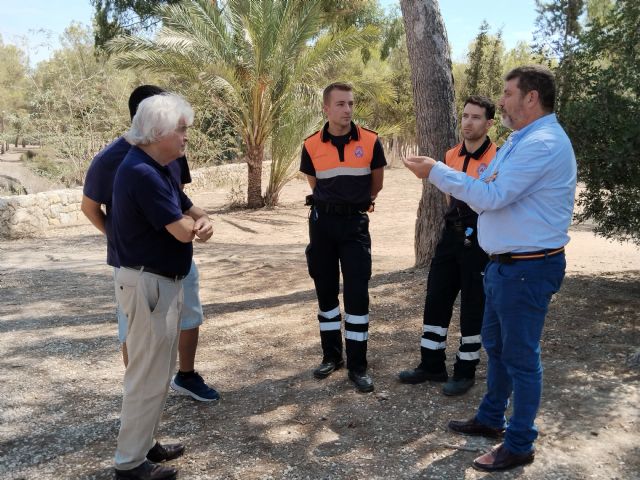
(344,164)
(457,266)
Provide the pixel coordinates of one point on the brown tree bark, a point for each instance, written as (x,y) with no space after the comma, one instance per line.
(434,101)
(255,155)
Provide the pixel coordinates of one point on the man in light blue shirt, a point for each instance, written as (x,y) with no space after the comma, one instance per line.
(525,204)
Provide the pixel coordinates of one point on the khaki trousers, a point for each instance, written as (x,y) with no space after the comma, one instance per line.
(152,304)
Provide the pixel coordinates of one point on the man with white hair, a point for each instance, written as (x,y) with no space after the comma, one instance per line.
(98,191)
(154,223)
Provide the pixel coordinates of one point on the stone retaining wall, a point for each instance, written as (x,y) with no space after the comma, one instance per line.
(32,215)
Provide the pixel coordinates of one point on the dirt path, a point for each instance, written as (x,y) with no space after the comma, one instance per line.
(61,372)
(14,173)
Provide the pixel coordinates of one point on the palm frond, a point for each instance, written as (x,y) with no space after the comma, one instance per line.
(329,49)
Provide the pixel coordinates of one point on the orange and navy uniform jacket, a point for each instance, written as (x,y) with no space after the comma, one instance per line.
(473,164)
(342,165)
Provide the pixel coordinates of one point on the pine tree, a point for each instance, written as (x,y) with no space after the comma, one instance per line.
(556,39)
(476,70)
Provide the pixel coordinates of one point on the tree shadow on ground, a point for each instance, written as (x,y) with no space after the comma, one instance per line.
(277,421)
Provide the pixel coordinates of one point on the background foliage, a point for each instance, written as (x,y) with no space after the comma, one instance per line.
(75,103)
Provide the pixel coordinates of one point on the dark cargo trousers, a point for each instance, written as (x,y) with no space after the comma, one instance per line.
(341,242)
(457,267)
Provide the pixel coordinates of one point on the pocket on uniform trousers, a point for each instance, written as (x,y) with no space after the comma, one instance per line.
(308,252)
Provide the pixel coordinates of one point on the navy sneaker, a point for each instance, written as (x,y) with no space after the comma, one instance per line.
(192,384)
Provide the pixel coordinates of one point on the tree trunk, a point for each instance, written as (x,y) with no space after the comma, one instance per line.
(255,155)
(433,97)
(272,195)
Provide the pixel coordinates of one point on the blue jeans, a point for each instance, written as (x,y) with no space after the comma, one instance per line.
(517,299)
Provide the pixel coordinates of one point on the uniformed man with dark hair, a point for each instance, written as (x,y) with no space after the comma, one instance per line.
(344,164)
(457,265)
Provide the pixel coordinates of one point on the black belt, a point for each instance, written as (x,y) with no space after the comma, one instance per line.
(170,276)
(457,225)
(512,257)
(339,208)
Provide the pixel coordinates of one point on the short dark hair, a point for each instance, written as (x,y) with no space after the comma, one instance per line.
(345,87)
(538,78)
(139,94)
(483,102)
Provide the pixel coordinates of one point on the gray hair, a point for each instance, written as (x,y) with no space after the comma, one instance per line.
(157,116)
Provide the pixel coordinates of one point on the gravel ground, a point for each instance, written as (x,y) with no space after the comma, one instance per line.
(61,372)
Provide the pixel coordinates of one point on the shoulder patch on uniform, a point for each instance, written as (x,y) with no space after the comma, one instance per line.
(368,129)
(455,149)
(314,133)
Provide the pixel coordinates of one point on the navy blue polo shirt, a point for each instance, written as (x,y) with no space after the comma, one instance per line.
(147,198)
(98,184)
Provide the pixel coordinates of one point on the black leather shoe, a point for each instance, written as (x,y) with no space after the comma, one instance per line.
(458,386)
(327,368)
(418,375)
(473,427)
(363,381)
(160,453)
(147,471)
(499,458)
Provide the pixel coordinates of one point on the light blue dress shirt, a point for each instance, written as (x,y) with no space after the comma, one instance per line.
(528,205)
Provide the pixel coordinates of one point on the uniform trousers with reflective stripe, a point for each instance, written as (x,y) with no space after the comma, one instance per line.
(455,268)
(341,242)
(152,304)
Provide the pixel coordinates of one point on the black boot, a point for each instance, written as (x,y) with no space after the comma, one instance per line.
(362,381)
(432,368)
(331,341)
(326,368)
(420,375)
(464,373)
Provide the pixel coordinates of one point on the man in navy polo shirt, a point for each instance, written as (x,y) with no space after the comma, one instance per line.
(153,225)
(98,188)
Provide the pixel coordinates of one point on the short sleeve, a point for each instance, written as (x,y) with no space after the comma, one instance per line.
(306,165)
(96,186)
(185,172)
(185,202)
(378,160)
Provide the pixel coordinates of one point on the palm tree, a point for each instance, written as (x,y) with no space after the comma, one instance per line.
(256,58)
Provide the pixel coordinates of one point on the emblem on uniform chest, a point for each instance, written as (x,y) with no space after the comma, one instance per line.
(359,153)
(481,168)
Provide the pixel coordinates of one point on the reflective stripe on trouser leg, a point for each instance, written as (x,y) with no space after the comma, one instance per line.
(354,249)
(356,334)
(323,264)
(468,357)
(443,286)
(471,311)
(432,348)
(330,334)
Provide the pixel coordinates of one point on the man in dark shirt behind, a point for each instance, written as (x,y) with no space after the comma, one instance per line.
(153,225)
(344,165)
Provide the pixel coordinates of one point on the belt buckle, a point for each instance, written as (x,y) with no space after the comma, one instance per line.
(504,258)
